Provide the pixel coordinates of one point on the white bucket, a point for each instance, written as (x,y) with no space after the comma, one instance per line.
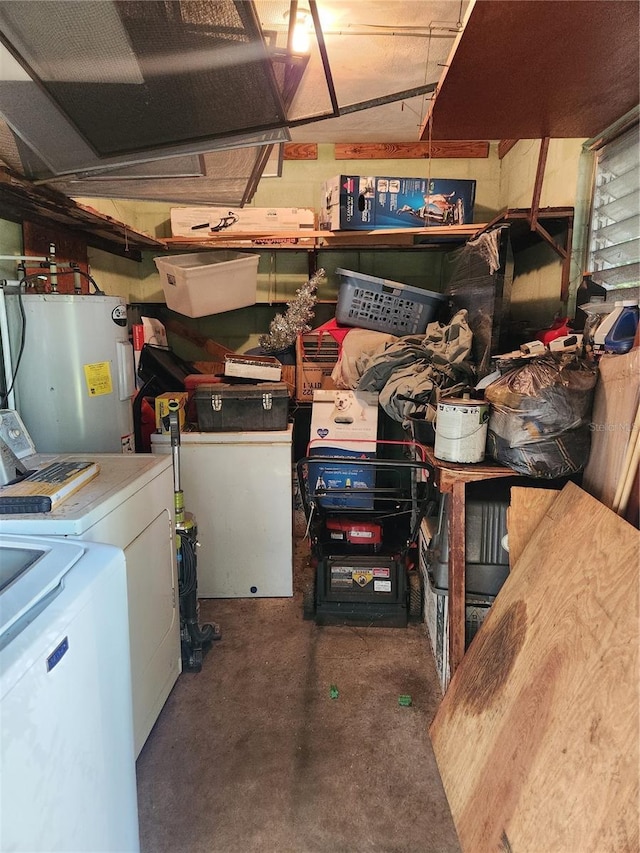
(461,430)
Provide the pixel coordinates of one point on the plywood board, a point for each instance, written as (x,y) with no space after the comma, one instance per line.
(527,508)
(614,408)
(537,737)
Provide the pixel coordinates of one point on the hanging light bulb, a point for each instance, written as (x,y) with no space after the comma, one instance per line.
(301,40)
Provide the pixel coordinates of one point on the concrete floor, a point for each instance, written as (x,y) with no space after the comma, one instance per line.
(253,754)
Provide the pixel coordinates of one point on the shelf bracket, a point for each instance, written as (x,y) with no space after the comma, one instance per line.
(564,251)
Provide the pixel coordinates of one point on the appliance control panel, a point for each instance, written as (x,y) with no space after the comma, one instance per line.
(13,433)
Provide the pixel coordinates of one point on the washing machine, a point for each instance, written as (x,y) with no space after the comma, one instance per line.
(129,504)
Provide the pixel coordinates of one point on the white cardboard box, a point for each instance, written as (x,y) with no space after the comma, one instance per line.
(344,425)
(344,418)
(202,221)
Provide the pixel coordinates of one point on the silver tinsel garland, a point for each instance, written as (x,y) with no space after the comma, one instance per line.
(285,328)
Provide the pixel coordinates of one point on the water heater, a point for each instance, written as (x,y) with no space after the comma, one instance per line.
(75,375)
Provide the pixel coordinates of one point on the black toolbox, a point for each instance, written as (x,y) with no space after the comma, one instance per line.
(243,407)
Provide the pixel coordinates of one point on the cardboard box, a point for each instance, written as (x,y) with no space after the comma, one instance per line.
(253,367)
(363,203)
(162,409)
(316,356)
(344,426)
(199,222)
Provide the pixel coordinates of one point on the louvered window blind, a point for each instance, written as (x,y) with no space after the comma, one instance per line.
(614,249)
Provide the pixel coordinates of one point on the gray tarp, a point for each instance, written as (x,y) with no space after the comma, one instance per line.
(408,373)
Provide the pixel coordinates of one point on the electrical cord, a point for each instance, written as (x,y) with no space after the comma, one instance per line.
(91,281)
(23,337)
(187,576)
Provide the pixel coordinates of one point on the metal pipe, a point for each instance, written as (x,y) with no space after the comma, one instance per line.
(22,258)
(53,269)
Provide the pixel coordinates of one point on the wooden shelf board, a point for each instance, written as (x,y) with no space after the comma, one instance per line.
(22,200)
(377,238)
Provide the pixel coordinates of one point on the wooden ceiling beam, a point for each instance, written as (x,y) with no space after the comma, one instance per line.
(449,149)
(504,146)
(300,151)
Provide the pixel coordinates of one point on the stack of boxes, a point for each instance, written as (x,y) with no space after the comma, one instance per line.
(344,426)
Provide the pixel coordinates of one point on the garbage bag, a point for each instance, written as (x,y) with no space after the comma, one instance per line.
(539,424)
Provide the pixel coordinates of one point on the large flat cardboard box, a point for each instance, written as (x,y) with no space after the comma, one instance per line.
(363,203)
(200,222)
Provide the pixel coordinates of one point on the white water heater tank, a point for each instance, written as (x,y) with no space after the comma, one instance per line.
(75,374)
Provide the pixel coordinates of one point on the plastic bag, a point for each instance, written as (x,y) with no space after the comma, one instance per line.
(540,412)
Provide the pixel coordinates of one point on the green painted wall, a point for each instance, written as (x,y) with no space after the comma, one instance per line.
(10,244)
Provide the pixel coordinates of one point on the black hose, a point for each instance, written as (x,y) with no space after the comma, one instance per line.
(23,337)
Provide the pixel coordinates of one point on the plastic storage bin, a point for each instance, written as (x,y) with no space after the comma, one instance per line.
(487,562)
(204,283)
(385,306)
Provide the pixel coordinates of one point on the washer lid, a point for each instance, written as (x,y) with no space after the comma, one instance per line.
(29,572)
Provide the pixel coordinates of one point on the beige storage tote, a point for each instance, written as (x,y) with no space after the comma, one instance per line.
(205,283)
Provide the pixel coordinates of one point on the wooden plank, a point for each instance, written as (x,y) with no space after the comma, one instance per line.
(630,470)
(450,149)
(536,738)
(457,573)
(527,508)
(377,238)
(504,146)
(614,408)
(217,367)
(22,200)
(537,186)
(300,151)
(632,512)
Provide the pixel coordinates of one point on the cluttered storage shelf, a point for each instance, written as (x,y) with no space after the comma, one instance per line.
(287,259)
(312,240)
(22,200)
(325,249)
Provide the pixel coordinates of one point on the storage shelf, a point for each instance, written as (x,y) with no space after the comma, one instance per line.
(21,200)
(551,225)
(392,238)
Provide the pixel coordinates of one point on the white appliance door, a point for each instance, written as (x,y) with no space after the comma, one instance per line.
(76,376)
(66,740)
(239,487)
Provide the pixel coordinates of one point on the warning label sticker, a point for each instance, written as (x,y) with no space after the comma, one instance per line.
(381,573)
(362,578)
(341,577)
(98,378)
(382,586)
